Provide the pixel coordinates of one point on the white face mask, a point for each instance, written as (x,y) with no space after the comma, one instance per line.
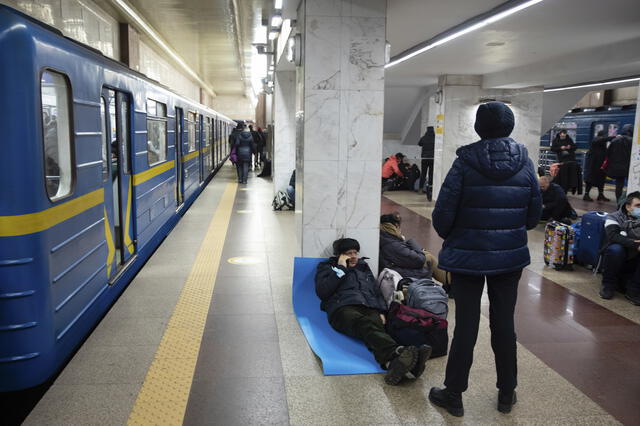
(635,213)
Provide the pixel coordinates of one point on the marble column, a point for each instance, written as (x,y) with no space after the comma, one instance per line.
(633,183)
(456,105)
(340,88)
(284,129)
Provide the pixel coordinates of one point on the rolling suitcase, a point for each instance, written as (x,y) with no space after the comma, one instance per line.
(592,234)
(558,245)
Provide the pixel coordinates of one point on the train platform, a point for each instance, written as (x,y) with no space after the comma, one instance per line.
(206,334)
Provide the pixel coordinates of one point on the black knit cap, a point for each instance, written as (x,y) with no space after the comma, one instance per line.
(494,120)
(391,218)
(343,245)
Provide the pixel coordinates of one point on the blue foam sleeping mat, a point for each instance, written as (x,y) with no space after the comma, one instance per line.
(340,354)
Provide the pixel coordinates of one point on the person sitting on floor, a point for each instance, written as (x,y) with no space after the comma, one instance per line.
(392,176)
(396,252)
(555,205)
(621,251)
(355,306)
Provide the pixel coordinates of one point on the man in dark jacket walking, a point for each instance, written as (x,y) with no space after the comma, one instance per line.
(621,257)
(619,154)
(352,299)
(427,142)
(488,201)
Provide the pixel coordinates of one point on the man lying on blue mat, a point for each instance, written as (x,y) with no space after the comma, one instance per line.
(355,306)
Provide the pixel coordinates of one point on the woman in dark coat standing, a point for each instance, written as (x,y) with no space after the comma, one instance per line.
(488,201)
(403,256)
(564,147)
(619,154)
(594,175)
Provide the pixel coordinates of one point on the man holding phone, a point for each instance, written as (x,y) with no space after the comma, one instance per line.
(355,306)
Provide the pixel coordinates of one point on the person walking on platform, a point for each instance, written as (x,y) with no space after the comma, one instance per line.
(427,142)
(244,149)
(488,201)
(355,306)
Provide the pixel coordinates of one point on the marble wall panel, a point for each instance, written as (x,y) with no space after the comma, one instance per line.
(321,125)
(362,61)
(320,208)
(322,67)
(318,242)
(366,8)
(363,194)
(284,156)
(364,124)
(634,166)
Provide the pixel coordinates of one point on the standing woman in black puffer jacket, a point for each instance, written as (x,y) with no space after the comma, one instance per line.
(488,201)
(619,155)
(244,149)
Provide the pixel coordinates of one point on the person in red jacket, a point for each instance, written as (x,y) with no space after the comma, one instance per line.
(391,170)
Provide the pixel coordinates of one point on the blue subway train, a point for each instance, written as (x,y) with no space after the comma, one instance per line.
(98,163)
(583,124)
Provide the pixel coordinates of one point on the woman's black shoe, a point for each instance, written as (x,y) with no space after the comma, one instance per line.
(506,400)
(449,400)
(587,197)
(601,197)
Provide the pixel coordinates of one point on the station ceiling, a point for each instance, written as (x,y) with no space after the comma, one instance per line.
(552,43)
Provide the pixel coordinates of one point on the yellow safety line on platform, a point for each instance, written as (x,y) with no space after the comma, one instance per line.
(165,392)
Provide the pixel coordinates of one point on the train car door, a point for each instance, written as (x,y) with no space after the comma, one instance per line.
(200,146)
(118,191)
(178,160)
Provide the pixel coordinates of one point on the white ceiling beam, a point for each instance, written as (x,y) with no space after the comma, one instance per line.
(593,64)
(425,93)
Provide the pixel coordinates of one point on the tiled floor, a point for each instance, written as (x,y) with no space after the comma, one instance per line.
(255,366)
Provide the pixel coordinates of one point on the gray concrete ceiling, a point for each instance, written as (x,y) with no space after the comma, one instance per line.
(209,38)
(553,43)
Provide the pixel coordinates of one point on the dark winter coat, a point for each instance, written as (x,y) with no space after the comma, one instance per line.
(404,257)
(244,146)
(427,142)
(619,154)
(338,286)
(593,175)
(488,201)
(564,155)
(614,223)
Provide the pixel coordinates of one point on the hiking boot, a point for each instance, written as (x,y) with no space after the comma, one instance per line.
(601,197)
(424,353)
(633,298)
(404,360)
(449,400)
(606,293)
(587,197)
(506,400)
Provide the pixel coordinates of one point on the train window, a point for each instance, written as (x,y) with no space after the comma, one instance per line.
(207,131)
(105,139)
(56,130)
(124,132)
(156,132)
(192,131)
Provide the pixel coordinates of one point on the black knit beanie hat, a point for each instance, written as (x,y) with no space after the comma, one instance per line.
(391,218)
(494,120)
(343,245)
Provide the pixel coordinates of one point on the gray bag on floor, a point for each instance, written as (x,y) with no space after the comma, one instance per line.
(426,294)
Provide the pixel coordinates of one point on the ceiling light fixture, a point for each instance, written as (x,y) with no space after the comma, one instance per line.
(276,20)
(477,22)
(277,4)
(151,33)
(595,84)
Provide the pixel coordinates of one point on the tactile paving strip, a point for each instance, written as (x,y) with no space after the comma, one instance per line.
(165,392)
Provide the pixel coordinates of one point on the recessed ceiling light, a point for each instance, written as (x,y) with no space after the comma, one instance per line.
(495,43)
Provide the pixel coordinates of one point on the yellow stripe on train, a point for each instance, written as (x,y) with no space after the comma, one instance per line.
(12,226)
(152,172)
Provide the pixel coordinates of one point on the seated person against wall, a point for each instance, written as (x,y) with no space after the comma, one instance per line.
(411,172)
(391,173)
(355,306)
(403,256)
(555,205)
(621,258)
